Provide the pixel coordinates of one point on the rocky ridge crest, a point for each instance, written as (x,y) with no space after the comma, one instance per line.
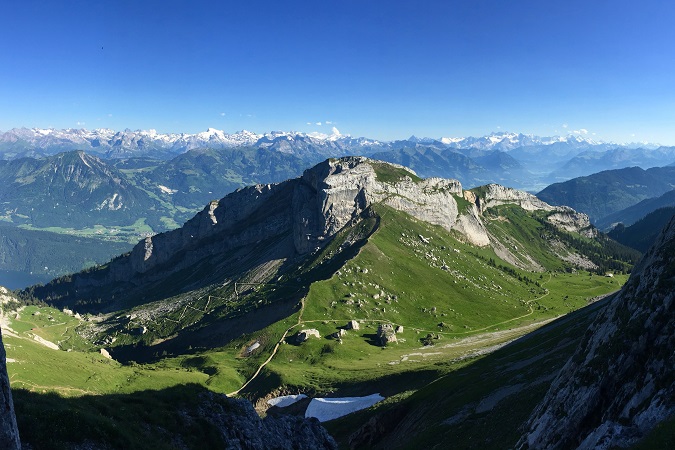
(334,193)
(301,215)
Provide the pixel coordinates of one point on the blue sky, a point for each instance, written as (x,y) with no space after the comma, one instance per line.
(382,69)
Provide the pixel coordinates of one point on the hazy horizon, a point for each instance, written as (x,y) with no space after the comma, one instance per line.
(384,70)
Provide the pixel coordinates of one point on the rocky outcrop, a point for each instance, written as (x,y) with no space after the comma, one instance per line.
(9,433)
(303,335)
(386,334)
(494,194)
(338,190)
(562,217)
(568,219)
(352,325)
(472,227)
(292,219)
(242,428)
(619,384)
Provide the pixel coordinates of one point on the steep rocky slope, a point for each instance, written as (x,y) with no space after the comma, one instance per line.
(620,382)
(279,222)
(9,433)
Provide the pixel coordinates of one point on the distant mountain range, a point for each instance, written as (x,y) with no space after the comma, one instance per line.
(124,185)
(603,195)
(35,142)
(541,160)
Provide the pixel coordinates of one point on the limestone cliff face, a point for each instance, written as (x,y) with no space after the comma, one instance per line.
(620,382)
(562,217)
(568,219)
(495,194)
(343,188)
(226,215)
(9,433)
(314,208)
(295,217)
(317,205)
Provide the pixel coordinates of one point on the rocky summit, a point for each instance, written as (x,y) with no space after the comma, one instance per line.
(296,217)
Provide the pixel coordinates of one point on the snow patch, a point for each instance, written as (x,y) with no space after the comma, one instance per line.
(167,190)
(252,347)
(285,400)
(326,409)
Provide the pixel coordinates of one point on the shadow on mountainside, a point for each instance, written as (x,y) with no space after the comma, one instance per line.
(481,405)
(184,416)
(281,301)
(125,421)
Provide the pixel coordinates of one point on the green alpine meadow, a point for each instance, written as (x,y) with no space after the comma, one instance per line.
(358,278)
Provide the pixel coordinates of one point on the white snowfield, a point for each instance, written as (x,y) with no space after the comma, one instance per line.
(326,409)
(285,400)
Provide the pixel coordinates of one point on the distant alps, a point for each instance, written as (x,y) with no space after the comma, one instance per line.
(19,142)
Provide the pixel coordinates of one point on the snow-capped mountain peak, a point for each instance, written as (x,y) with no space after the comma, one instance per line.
(110,143)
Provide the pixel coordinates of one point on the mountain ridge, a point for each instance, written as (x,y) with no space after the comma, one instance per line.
(117,144)
(604,193)
(317,205)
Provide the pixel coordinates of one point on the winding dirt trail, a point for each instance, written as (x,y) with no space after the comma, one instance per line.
(274,351)
(470,339)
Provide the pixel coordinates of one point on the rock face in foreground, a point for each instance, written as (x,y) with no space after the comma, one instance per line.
(242,428)
(620,383)
(9,433)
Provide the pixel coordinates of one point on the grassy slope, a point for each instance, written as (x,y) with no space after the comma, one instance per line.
(496,393)
(469,297)
(63,398)
(411,275)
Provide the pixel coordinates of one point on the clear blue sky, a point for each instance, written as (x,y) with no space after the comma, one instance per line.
(382,69)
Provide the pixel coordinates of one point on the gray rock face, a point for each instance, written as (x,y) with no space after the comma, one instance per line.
(9,433)
(472,227)
(297,217)
(496,194)
(303,335)
(352,325)
(562,217)
(347,186)
(386,334)
(568,219)
(619,384)
(242,428)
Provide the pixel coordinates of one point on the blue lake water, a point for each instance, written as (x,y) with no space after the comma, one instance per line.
(18,280)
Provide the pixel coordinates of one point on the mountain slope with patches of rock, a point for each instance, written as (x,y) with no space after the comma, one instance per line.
(290,220)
